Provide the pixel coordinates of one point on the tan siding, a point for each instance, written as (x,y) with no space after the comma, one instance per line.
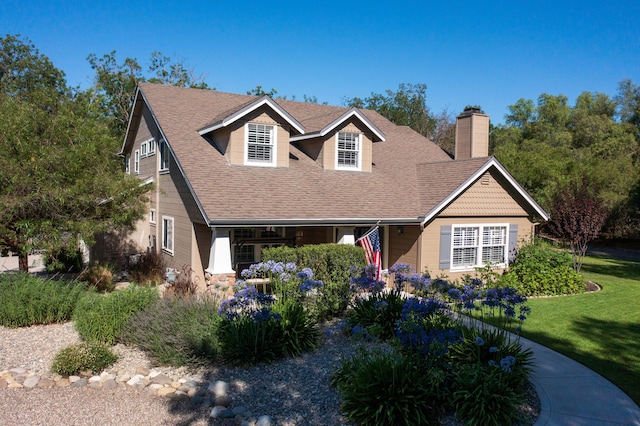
(403,248)
(480,141)
(329,153)
(283,147)
(430,257)
(486,197)
(236,144)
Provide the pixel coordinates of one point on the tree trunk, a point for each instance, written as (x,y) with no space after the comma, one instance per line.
(23,262)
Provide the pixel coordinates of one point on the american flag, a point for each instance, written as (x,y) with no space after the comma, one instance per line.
(370,242)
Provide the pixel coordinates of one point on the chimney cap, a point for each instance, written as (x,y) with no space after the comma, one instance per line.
(471,110)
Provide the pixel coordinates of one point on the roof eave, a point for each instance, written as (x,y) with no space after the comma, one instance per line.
(264,100)
(335,123)
(227,223)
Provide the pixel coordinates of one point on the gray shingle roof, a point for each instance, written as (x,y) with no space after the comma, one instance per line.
(409,177)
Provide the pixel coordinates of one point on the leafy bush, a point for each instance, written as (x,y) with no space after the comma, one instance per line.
(482,396)
(63,260)
(377,312)
(98,276)
(384,388)
(84,356)
(149,269)
(539,269)
(331,264)
(250,339)
(27,300)
(299,330)
(100,318)
(176,331)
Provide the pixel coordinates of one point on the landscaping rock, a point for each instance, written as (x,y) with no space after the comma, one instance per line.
(46,382)
(31,382)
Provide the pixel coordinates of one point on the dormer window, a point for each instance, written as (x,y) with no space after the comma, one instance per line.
(348,151)
(260,144)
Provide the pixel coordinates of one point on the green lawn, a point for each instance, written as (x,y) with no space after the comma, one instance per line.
(600,330)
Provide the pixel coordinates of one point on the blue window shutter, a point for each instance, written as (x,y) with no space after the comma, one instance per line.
(445,247)
(513,241)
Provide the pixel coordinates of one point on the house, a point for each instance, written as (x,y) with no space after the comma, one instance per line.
(236,173)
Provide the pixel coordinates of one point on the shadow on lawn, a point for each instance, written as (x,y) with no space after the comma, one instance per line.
(619,268)
(617,356)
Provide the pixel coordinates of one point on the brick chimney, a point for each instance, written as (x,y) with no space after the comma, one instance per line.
(472,134)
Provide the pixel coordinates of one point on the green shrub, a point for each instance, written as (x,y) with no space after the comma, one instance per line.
(378,313)
(98,276)
(63,260)
(100,318)
(482,396)
(539,270)
(176,331)
(299,330)
(247,340)
(486,346)
(27,300)
(383,388)
(84,356)
(148,269)
(330,263)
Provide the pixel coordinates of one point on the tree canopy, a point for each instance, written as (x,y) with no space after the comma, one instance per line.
(548,144)
(60,177)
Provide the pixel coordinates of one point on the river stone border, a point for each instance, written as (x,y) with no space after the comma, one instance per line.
(213,395)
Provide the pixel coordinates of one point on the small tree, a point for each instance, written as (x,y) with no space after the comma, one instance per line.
(577,216)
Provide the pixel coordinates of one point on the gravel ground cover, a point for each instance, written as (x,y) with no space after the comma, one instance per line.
(293,391)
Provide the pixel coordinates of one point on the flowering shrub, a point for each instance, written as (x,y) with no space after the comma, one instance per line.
(377,313)
(405,278)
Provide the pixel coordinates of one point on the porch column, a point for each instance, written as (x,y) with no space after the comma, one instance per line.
(346,236)
(220,253)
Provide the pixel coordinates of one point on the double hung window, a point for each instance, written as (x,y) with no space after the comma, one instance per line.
(475,245)
(164,156)
(348,151)
(167,234)
(260,144)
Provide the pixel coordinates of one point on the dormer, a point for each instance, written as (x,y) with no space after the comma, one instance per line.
(255,134)
(345,144)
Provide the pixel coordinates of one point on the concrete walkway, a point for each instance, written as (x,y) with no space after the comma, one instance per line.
(572,394)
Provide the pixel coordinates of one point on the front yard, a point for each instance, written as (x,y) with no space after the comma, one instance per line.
(600,330)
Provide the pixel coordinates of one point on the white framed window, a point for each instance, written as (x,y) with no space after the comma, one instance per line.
(152,146)
(143,149)
(136,162)
(127,164)
(475,245)
(167,234)
(164,156)
(348,151)
(260,144)
(152,216)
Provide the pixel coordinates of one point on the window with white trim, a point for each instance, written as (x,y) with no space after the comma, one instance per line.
(136,162)
(152,146)
(164,156)
(260,144)
(143,149)
(348,155)
(475,245)
(127,164)
(167,234)
(152,216)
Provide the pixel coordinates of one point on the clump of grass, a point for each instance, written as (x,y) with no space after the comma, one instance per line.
(86,356)
(100,318)
(27,300)
(98,276)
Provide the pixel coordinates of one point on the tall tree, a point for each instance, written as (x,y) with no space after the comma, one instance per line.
(59,174)
(628,99)
(115,83)
(405,107)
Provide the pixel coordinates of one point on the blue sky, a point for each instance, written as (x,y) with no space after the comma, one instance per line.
(488,53)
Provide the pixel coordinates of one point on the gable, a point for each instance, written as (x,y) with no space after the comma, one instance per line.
(486,197)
